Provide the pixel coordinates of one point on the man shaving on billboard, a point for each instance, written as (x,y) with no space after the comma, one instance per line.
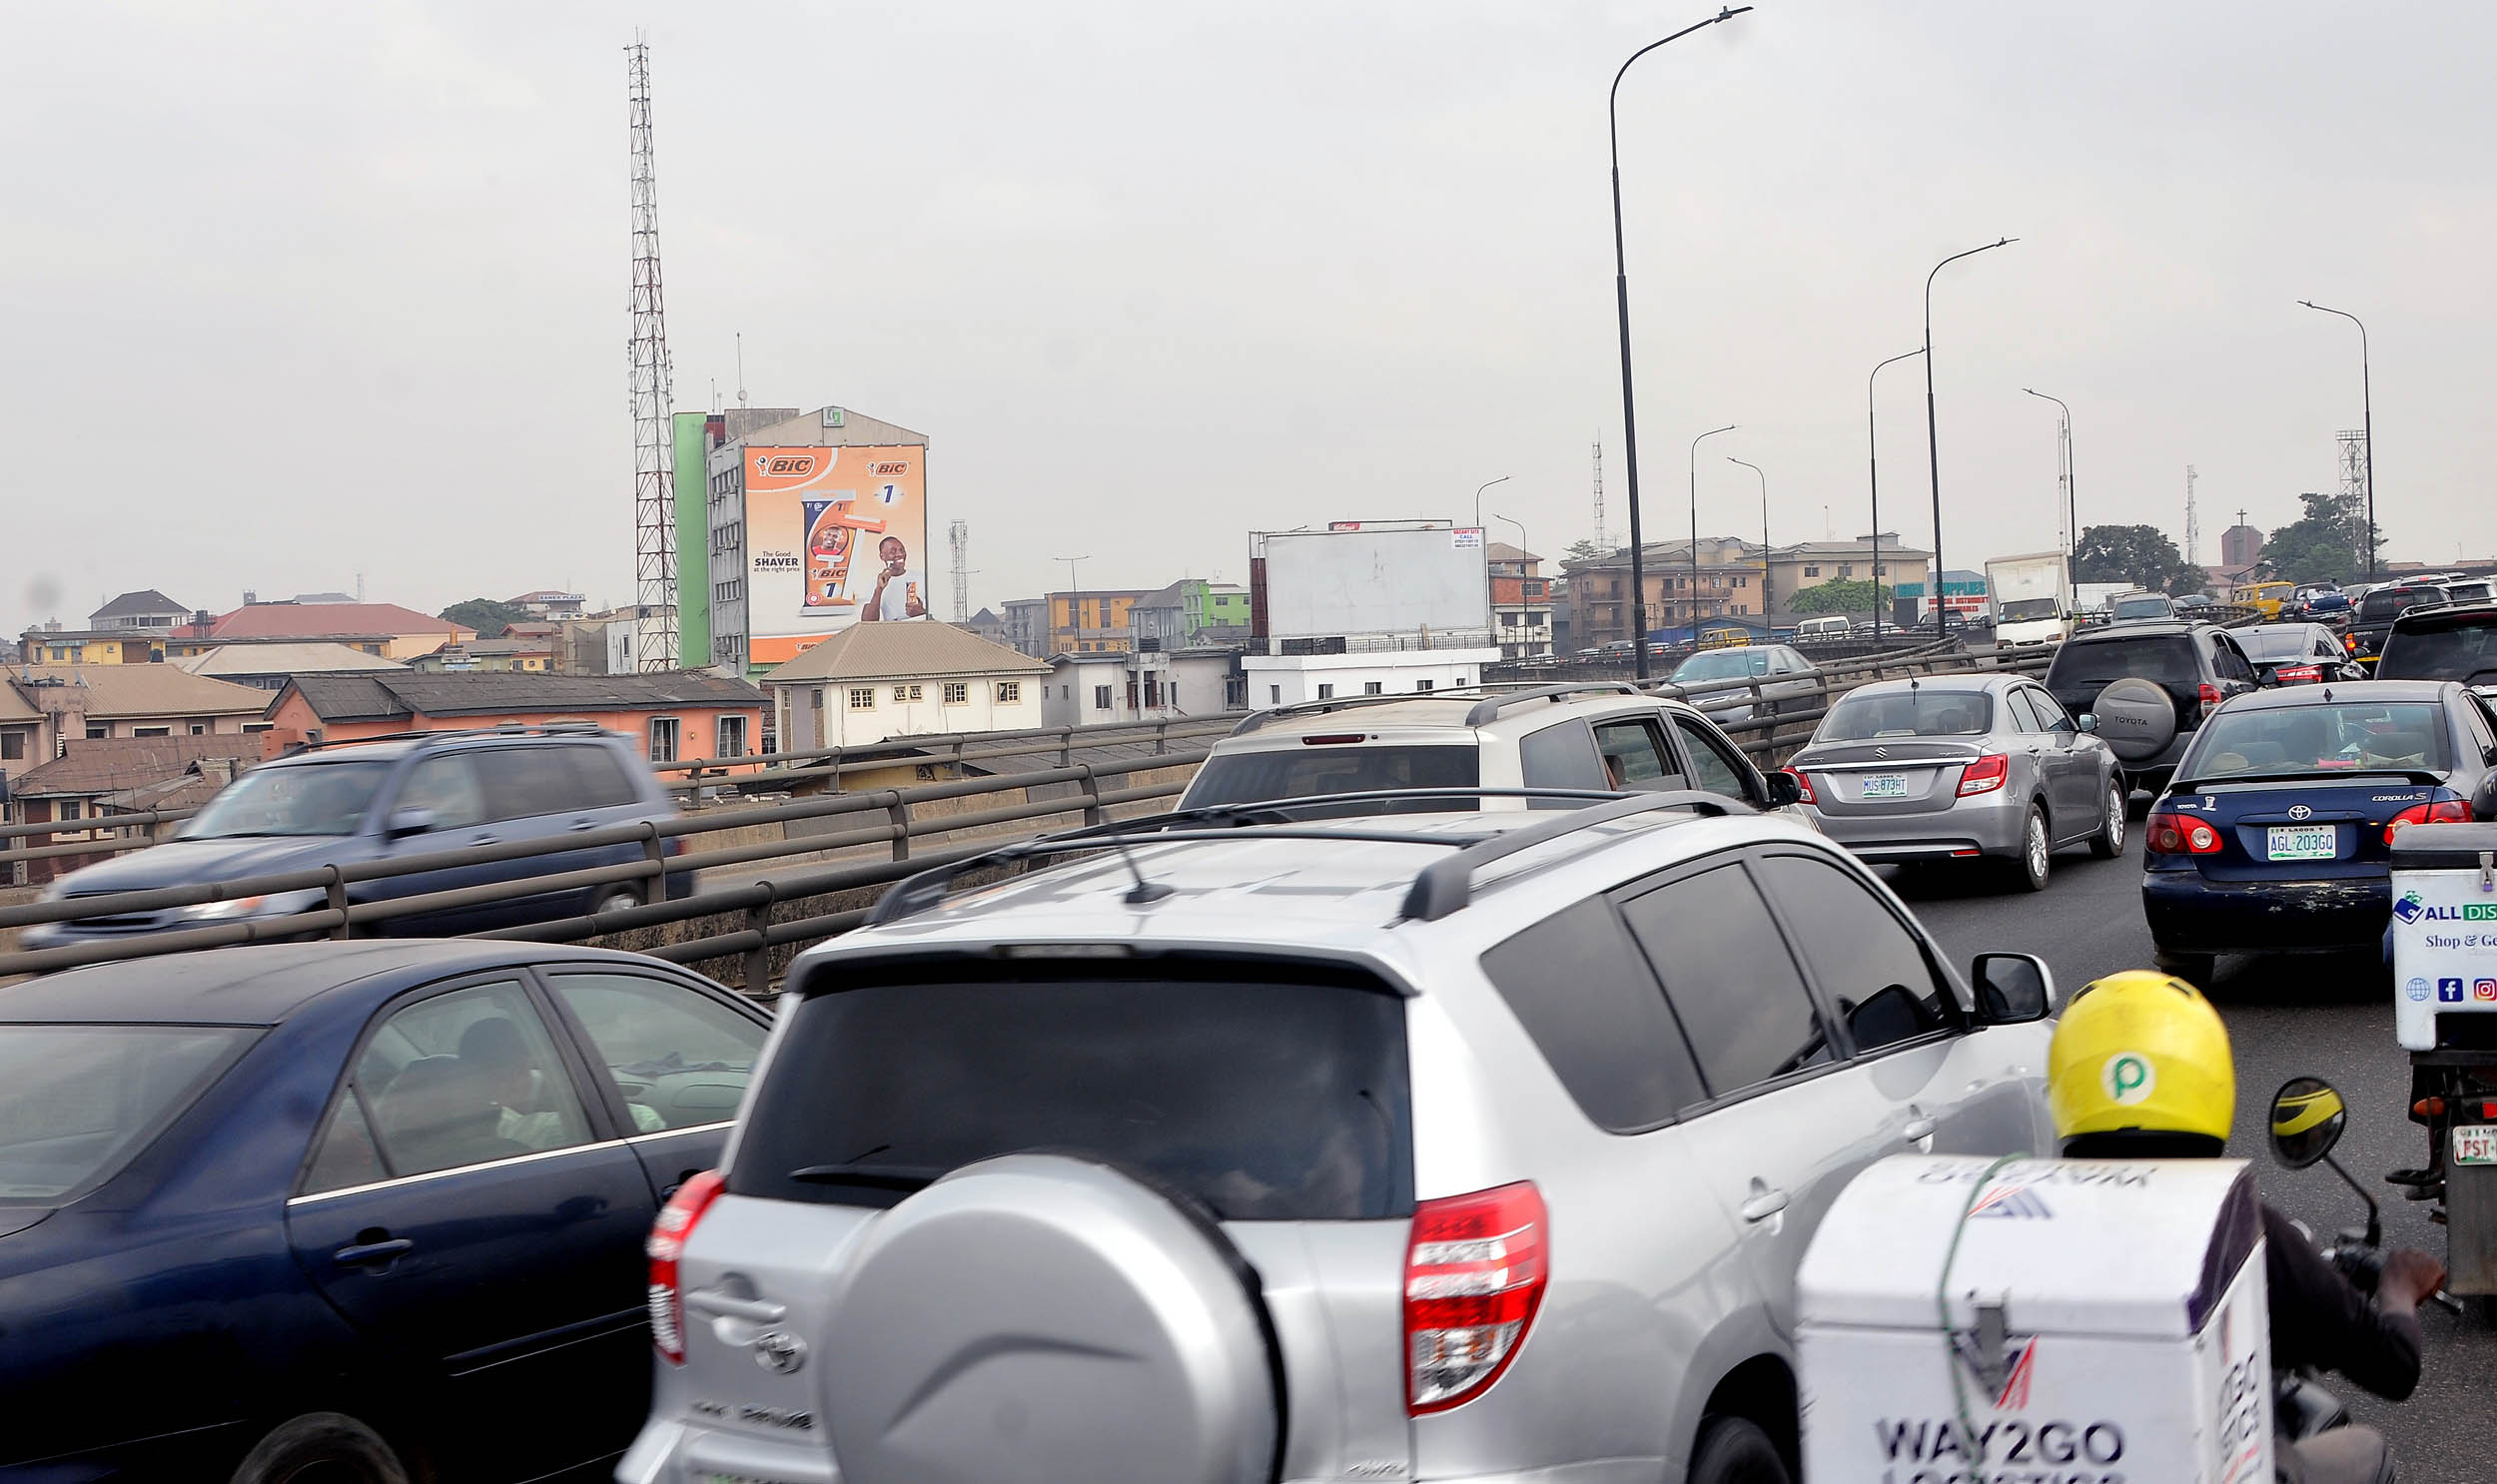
(898,588)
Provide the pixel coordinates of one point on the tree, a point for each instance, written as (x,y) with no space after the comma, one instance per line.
(1583,549)
(2140,555)
(2325,544)
(488,616)
(1847,595)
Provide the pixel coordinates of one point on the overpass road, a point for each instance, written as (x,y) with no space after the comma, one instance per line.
(2286,1017)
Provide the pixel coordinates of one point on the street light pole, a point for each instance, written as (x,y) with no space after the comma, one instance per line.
(1490,619)
(1074,598)
(1621,305)
(1521,565)
(1932,451)
(1768,622)
(1695,442)
(2072,499)
(2366,403)
(1873,473)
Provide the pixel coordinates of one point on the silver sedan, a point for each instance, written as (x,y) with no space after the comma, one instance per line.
(1987,770)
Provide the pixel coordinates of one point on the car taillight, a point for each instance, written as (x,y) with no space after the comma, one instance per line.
(1985,774)
(2442,812)
(665,1247)
(2178,835)
(2297,676)
(1474,1276)
(2351,642)
(1802,783)
(2210,697)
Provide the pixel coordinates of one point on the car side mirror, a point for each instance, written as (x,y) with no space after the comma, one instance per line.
(2087,721)
(412,821)
(2307,1118)
(2013,989)
(1784,789)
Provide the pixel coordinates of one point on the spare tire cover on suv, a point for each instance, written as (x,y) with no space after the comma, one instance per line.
(2137,718)
(1047,1317)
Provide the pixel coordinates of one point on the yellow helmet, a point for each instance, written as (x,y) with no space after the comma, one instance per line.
(2140,1051)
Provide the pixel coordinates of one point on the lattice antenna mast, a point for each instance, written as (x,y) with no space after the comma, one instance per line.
(2355,486)
(958,537)
(2193,521)
(653,395)
(1600,543)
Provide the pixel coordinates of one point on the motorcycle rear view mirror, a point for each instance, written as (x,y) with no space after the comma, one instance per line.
(2307,1118)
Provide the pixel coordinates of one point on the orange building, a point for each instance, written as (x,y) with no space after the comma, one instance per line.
(674,715)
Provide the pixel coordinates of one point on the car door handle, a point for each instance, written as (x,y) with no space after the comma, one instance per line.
(730,1307)
(485,838)
(579,824)
(1918,1131)
(1764,1204)
(370,1253)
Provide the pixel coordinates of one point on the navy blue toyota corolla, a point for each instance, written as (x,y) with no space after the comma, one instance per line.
(366,1212)
(2277,835)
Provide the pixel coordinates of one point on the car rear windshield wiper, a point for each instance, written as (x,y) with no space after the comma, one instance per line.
(873,1177)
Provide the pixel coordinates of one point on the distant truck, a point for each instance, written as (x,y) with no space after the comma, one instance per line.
(2092,597)
(2033,599)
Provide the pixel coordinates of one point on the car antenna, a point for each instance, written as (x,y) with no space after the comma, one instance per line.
(1143,891)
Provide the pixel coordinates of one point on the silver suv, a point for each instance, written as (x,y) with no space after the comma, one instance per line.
(1598,737)
(1476,1146)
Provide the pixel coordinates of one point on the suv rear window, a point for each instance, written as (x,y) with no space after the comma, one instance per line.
(1276,1096)
(2462,652)
(2086,665)
(1334,768)
(2384,602)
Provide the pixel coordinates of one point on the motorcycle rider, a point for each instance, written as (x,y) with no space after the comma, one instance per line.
(2140,1069)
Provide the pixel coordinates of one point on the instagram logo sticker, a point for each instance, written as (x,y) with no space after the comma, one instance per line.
(2484,990)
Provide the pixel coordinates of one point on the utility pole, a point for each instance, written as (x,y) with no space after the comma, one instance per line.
(1932,449)
(1075,598)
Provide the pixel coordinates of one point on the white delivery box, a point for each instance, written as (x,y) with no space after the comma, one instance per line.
(2444,927)
(2106,1325)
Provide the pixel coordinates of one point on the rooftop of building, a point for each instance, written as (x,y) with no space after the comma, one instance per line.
(288,657)
(322,620)
(114,691)
(905,650)
(338,698)
(145,603)
(104,765)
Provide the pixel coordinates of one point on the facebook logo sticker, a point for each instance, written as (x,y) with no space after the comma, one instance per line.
(2449,991)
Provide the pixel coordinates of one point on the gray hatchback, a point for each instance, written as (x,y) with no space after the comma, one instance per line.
(1979,769)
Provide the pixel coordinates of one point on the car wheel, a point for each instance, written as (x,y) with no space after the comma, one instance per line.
(2194,969)
(2027,872)
(322,1446)
(2108,843)
(1736,1450)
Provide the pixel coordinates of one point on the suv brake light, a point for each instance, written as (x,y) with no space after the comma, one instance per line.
(2210,697)
(2442,812)
(1802,783)
(1474,1273)
(1985,774)
(665,1247)
(2297,676)
(2171,833)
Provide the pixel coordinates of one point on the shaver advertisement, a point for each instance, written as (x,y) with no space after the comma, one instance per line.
(834,536)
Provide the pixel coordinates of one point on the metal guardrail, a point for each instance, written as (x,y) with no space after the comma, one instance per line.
(341,916)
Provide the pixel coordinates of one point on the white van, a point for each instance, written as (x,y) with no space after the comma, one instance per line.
(1828,626)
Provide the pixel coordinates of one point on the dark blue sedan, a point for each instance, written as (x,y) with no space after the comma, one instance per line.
(2277,835)
(369,1212)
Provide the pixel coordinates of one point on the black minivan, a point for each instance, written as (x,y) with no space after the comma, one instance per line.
(350,803)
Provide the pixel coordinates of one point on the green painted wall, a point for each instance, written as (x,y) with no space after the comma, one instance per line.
(693,546)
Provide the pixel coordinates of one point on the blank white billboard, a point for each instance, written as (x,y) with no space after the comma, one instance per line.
(1375,580)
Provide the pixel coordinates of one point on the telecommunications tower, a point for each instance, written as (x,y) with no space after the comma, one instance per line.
(957,536)
(652,388)
(2193,521)
(1600,499)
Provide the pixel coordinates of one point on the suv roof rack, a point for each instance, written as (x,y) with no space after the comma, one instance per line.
(1488,710)
(1482,711)
(453,734)
(1442,888)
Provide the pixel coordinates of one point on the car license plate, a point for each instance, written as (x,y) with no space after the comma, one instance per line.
(1885,785)
(2475,1143)
(2304,842)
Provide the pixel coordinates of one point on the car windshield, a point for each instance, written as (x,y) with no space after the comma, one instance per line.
(1302,772)
(297,799)
(2263,644)
(2165,658)
(1722,664)
(2020,610)
(2151,607)
(2464,652)
(1922,712)
(78,1102)
(2337,736)
(2387,601)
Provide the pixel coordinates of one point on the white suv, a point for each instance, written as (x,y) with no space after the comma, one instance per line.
(1472,1145)
(1597,737)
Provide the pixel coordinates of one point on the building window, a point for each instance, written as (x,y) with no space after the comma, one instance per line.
(97,731)
(1373,687)
(1275,695)
(1421,685)
(663,739)
(1101,697)
(151,731)
(1009,692)
(1326,692)
(902,694)
(1881,569)
(199,729)
(957,692)
(1742,582)
(732,737)
(862,698)
(1845,569)
(12,747)
(259,726)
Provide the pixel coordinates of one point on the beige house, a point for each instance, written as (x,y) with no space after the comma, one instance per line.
(85,702)
(877,681)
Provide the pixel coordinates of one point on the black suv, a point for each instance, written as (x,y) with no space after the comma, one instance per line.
(2373,619)
(2150,684)
(2454,643)
(354,802)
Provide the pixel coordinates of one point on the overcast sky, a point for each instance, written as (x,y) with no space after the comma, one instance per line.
(293,292)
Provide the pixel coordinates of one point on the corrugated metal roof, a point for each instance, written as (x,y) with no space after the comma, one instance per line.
(142,691)
(107,764)
(314,658)
(336,698)
(916,649)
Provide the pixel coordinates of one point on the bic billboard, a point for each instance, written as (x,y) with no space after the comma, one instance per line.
(834,536)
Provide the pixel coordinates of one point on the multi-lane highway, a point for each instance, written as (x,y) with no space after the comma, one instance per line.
(2322,1016)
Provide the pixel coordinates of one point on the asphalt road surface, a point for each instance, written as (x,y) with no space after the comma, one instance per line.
(2287,1015)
